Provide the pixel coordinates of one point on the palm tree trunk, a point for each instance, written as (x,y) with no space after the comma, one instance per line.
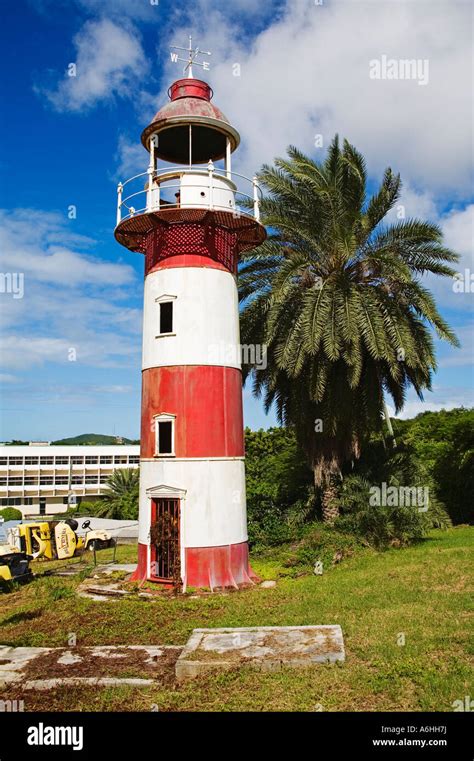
(389,424)
(329,501)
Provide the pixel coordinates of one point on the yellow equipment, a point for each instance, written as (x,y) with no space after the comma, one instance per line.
(14,565)
(56,540)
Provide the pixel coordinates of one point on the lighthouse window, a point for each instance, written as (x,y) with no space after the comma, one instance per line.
(166,317)
(165,437)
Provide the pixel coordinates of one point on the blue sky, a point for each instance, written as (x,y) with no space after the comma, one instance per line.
(65,141)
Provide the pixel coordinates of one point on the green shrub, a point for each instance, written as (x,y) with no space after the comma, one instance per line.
(326,545)
(85,508)
(277,480)
(120,499)
(384,525)
(11,514)
(271,530)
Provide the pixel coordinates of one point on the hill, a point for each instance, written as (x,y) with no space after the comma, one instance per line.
(87,439)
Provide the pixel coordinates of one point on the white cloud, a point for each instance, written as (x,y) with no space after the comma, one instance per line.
(308,73)
(412,204)
(440,399)
(458,228)
(132,158)
(97,349)
(109,59)
(72,300)
(40,245)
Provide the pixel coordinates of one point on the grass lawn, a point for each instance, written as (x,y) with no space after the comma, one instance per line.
(419,596)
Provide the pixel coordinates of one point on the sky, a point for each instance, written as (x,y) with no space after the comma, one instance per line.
(284,72)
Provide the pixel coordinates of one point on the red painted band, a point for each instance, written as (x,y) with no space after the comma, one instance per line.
(210,567)
(140,572)
(188,260)
(207,402)
(219,567)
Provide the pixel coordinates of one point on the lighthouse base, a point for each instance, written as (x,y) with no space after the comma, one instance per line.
(209,567)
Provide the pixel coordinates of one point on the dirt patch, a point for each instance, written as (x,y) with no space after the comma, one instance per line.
(118,662)
(80,697)
(25,615)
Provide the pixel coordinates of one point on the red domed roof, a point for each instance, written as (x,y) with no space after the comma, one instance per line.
(191,104)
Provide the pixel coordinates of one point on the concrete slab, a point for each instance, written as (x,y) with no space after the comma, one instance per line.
(108,592)
(96,664)
(68,658)
(72,570)
(13,661)
(267,648)
(114,567)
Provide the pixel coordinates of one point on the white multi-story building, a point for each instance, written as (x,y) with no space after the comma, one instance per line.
(41,479)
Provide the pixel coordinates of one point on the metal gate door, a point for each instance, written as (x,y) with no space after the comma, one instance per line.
(165,540)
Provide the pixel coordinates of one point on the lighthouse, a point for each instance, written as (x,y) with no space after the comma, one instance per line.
(191,216)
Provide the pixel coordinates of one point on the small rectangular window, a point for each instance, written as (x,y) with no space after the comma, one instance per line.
(165,437)
(166,317)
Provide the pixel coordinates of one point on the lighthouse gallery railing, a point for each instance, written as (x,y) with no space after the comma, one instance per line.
(188,187)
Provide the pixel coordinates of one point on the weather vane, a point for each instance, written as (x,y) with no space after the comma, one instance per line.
(191,59)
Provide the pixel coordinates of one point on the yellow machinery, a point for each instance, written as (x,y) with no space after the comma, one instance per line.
(56,540)
(14,565)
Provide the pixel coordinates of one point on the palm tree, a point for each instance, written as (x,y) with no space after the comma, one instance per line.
(120,501)
(338,299)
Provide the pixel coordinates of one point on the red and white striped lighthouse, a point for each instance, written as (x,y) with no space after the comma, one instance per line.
(191,216)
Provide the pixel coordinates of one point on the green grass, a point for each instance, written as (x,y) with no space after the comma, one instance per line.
(421,592)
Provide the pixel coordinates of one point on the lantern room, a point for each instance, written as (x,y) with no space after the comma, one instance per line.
(190,129)
(190,144)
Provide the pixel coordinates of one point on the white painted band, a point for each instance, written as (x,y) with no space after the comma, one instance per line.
(205,329)
(212,493)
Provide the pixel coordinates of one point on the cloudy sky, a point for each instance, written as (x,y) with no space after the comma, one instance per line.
(285,72)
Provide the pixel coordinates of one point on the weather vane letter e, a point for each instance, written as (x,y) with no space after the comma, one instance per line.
(190,61)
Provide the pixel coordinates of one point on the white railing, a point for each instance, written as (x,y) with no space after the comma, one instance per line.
(185,187)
